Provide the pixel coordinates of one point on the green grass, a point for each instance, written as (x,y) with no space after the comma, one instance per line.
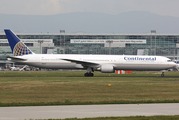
(127,118)
(61,88)
(79,74)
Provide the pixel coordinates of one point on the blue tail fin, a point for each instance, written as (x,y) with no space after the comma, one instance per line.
(17,46)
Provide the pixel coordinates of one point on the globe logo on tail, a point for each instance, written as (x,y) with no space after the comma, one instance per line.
(21,49)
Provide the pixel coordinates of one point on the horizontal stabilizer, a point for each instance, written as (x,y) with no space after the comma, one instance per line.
(15,58)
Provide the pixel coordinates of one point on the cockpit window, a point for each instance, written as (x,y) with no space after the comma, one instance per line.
(169,60)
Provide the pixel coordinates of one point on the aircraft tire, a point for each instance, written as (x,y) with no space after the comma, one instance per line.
(88,74)
(91,74)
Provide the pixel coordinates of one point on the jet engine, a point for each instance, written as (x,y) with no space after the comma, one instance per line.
(107,69)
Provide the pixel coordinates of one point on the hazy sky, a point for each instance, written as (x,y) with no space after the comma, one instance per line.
(49,7)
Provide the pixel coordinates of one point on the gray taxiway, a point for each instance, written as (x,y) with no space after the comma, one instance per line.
(87,111)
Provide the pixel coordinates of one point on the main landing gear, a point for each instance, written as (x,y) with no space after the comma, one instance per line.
(89,72)
(162,75)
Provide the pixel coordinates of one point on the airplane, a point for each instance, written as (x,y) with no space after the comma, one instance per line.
(104,63)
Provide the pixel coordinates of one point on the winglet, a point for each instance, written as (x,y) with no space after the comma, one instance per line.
(17,46)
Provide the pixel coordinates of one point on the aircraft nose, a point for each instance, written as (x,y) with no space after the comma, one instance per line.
(172,64)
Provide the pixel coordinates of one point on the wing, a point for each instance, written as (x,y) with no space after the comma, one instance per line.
(83,63)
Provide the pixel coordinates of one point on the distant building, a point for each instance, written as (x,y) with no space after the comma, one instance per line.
(82,43)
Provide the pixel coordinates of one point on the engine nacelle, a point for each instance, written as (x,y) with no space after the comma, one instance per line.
(107,69)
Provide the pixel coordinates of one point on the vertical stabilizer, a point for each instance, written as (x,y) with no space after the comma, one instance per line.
(17,46)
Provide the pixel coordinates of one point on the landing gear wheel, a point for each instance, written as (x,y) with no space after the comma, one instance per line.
(162,74)
(88,74)
(91,74)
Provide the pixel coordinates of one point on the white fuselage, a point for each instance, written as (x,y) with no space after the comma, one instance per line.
(76,61)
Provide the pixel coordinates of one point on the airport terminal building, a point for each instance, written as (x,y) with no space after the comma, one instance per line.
(83,43)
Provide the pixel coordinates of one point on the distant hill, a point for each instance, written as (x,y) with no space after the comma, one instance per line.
(129,22)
